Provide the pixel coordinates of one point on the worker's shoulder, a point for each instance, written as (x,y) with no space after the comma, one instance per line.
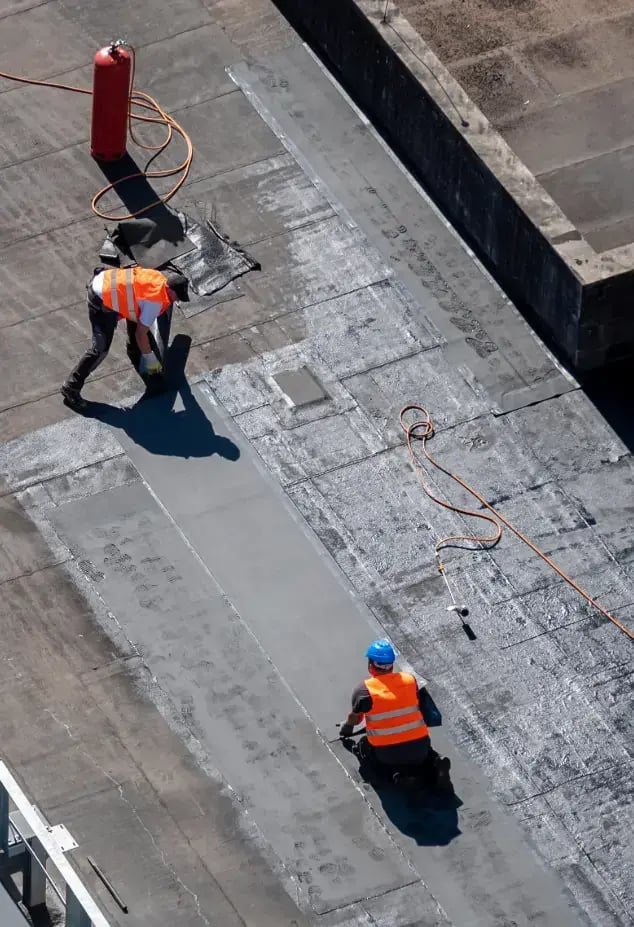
(361,690)
(420,681)
(149,273)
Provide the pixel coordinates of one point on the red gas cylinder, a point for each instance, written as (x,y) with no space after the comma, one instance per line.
(110,103)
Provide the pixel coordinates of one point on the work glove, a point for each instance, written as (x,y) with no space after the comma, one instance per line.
(149,365)
(346,730)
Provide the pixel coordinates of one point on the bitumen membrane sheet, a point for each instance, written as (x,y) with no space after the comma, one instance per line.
(189,583)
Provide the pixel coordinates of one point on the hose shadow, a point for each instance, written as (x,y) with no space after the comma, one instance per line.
(137,194)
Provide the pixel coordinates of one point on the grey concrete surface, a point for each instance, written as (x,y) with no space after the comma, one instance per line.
(555,79)
(151,586)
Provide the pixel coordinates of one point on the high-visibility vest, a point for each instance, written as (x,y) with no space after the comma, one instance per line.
(122,290)
(395,717)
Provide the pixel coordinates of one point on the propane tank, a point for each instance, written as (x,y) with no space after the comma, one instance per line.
(110,102)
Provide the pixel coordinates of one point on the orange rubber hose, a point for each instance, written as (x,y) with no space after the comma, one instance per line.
(422,429)
(143,100)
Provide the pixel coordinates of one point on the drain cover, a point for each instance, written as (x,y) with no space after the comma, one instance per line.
(300,387)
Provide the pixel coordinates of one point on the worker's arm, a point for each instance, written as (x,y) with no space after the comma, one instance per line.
(142,338)
(148,313)
(361,704)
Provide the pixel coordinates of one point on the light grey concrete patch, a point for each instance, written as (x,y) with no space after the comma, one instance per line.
(488,455)
(606,838)
(228,691)
(594,643)
(98,477)
(406,907)
(607,503)
(319,261)
(555,758)
(299,386)
(242,389)
(262,199)
(45,454)
(593,893)
(423,378)
(559,436)
(322,445)
(372,496)
(368,328)
(342,151)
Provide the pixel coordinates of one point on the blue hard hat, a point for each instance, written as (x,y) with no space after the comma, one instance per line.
(381,652)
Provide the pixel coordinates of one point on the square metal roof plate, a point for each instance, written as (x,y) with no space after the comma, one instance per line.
(300,387)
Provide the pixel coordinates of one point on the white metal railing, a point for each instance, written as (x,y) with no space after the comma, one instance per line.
(38,842)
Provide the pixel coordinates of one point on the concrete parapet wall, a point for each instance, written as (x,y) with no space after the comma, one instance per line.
(575,297)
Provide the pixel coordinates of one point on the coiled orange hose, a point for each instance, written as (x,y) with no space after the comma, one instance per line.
(422,429)
(146,102)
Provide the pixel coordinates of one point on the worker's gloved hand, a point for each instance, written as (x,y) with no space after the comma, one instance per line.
(149,365)
(346,730)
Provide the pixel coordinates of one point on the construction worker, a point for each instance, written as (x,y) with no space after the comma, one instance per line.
(139,295)
(397,737)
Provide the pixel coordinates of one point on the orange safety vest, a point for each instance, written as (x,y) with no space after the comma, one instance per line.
(122,290)
(395,717)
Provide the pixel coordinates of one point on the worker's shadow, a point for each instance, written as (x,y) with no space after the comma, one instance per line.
(424,815)
(155,424)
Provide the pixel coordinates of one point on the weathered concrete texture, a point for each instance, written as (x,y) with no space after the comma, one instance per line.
(535,249)
(556,80)
(521,698)
(135,549)
(156,578)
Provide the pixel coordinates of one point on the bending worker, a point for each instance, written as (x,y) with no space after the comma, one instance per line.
(397,737)
(139,295)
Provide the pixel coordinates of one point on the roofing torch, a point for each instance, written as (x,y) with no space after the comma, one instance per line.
(461,610)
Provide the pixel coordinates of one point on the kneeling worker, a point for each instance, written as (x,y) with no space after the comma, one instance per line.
(397,736)
(139,295)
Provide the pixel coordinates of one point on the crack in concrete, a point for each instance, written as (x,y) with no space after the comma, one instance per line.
(42,569)
(559,785)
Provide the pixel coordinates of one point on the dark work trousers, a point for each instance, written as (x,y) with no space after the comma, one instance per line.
(104,322)
(413,753)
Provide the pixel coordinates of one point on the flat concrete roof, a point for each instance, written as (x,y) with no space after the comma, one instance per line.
(556,78)
(188,585)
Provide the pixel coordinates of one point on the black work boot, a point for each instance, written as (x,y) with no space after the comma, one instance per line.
(73,398)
